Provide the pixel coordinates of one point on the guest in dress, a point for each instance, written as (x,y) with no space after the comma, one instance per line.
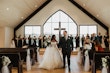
(98,46)
(13,44)
(77,40)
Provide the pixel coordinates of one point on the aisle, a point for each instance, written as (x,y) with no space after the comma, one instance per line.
(75,68)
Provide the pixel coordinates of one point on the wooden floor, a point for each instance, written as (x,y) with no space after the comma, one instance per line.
(75,68)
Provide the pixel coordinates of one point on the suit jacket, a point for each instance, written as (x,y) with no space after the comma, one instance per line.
(66,45)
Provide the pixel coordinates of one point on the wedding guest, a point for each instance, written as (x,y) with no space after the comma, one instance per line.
(34,41)
(19,41)
(29,40)
(82,40)
(77,40)
(98,46)
(24,41)
(12,43)
(40,41)
(99,38)
(106,41)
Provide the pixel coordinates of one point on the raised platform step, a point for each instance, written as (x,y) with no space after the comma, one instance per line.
(42,50)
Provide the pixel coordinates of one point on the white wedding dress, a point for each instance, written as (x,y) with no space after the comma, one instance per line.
(51,58)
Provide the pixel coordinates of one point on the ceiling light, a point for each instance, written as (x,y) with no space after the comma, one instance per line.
(84,5)
(35,5)
(7,8)
(22,17)
(97,15)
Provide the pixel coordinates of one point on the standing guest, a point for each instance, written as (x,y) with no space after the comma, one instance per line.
(34,41)
(16,41)
(82,40)
(71,37)
(106,41)
(24,41)
(29,40)
(98,46)
(44,41)
(19,41)
(13,44)
(99,38)
(40,41)
(77,40)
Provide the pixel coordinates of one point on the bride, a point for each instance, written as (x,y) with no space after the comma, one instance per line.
(51,58)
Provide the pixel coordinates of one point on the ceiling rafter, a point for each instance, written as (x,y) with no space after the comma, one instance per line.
(90,15)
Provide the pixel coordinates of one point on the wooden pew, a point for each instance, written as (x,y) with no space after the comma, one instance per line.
(97,61)
(15,60)
(22,54)
(14,55)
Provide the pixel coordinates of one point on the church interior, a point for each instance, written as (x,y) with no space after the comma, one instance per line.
(27,27)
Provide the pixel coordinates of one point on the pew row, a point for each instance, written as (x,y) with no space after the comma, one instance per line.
(22,53)
(97,61)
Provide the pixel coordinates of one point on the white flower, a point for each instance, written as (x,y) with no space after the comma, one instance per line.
(5,60)
(104,62)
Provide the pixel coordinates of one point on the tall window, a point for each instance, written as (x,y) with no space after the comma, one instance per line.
(66,22)
(32,30)
(84,30)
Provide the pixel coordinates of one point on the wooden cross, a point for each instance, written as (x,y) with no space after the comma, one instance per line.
(59,29)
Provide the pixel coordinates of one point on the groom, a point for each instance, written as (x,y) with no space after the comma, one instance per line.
(67,46)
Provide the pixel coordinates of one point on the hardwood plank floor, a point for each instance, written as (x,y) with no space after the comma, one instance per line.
(75,68)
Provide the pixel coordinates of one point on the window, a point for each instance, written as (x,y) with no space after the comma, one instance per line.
(84,30)
(66,22)
(32,30)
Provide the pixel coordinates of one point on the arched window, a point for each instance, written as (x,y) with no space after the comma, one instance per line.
(65,21)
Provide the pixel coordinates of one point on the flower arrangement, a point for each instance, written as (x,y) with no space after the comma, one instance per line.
(5,60)
(105,61)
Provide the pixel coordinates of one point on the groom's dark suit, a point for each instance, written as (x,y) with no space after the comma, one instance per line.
(67,47)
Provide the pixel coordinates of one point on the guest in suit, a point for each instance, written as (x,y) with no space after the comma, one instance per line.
(34,41)
(29,40)
(67,45)
(106,41)
(19,41)
(82,40)
(77,40)
(99,38)
(24,41)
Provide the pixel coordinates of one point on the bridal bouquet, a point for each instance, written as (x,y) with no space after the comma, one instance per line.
(5,60)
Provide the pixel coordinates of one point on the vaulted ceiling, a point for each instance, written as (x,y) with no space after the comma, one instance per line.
(13,12)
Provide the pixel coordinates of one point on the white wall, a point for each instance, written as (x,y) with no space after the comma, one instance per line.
(2,37)
(78,16)
(8,36)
